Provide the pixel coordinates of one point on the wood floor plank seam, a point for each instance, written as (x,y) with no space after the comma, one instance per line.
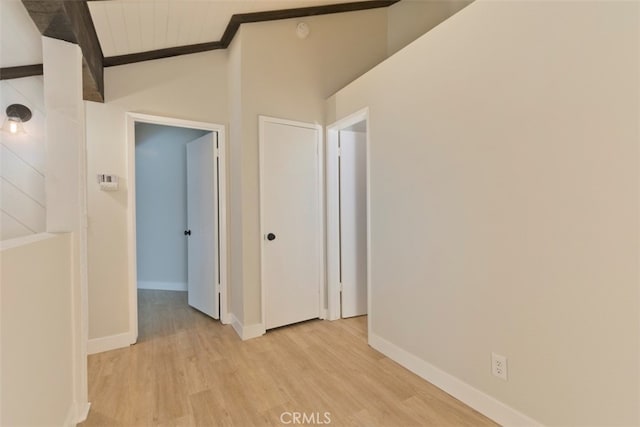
(190,370)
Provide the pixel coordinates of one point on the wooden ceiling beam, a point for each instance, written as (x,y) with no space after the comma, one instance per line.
(299,12)
(160,53)
(71,21)
(245,18)
(20,71)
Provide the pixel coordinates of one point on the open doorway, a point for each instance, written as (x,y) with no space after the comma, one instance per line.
(177,238)
(347,217)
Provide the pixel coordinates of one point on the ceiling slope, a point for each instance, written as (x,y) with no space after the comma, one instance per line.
(72,21)
(244,18)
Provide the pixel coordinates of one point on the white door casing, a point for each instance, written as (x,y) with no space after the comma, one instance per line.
(291,210)
(202,225)
(132,119)
(358,122)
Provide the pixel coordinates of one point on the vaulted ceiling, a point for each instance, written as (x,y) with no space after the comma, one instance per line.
(116,32)
(132,26)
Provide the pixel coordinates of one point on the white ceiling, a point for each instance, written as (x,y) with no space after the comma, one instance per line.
(130,26)
(20,41)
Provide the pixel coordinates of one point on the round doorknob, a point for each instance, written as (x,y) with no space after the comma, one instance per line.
(271,237)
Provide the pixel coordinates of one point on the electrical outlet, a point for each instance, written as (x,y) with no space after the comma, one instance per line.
(499,366)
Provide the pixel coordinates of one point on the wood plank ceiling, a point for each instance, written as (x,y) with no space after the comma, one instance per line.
(117,32)
(131,26)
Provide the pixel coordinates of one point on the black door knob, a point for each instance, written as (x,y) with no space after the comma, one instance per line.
(271,236)
(187,232)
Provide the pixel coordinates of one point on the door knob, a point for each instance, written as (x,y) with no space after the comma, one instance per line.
(187,232)
(271,237)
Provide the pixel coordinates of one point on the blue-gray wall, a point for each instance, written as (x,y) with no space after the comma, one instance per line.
(161,205)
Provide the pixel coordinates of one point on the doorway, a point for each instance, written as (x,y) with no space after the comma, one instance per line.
(291,209)
(177,223)
(347,217)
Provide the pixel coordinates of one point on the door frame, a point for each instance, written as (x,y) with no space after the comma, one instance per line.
(333,213)
(132,119)
(320,228)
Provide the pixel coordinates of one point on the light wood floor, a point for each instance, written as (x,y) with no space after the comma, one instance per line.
(190,370)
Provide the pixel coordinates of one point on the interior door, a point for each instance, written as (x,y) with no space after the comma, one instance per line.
(202,228)
(353,222)
(290,212)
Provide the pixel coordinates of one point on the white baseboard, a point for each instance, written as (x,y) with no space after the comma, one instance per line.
(83,412)
(478,400)
(112,342)
(77,414)
(162,286)
(226,317)
(246,332)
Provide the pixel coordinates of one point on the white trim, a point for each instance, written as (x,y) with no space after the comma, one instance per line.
(478,400)
(70,419)
(320,226)
(83,412)
(24,240)
(131,228)
(112,342)
(332,214)
(162,286)
(246,332)
(132,119)
(76,414)
(222,221)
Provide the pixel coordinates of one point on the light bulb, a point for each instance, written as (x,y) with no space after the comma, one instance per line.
(13,126)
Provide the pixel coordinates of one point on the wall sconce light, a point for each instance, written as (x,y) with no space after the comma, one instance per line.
(17,114)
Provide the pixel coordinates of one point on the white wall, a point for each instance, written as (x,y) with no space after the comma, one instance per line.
(192,87)
(409,19)
(270,71)
(22,162)
(504,207)
(66,191)
(161,205)
(286,77)
(36,338)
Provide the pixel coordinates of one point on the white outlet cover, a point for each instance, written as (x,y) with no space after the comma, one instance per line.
(499,366)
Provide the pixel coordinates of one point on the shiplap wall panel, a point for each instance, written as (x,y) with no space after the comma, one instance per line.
(30,146)
(18,205)
(22,175)
(101,24)
(161,16)
(22,162)
(134,30)
(192,32)
(10,228)
(118,26)
(176,10)
(146,13)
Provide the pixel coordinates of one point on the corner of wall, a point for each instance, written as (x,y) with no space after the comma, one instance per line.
(247,332)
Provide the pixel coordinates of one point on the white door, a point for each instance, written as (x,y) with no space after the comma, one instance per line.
(291,228)
(353,223)
(202,218)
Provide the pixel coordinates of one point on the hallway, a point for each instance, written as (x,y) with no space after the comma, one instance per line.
(189,370)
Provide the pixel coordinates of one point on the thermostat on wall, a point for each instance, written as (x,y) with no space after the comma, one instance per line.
(108,182)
